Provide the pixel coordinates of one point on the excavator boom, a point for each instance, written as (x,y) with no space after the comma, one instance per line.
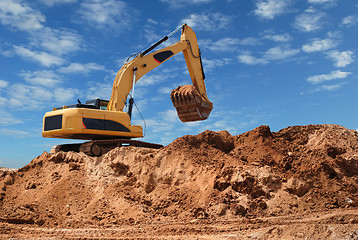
(191,103)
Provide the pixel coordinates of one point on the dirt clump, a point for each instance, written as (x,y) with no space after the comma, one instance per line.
(212,176)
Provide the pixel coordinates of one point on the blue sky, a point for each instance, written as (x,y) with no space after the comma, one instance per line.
(275,62)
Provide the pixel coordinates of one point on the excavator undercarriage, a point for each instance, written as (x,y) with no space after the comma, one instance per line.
(97,148)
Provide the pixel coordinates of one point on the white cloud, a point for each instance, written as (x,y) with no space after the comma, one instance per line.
(19,15)
(250,41)
(341,59)
(43,58)
(63,95)
(7,118)
(181,3)
(332,87)
(270,35)
(273,54)
(269,9)
(111,15)
(319,1)
(279,53)
(57,41)
(151,35)
(154,30)
(76,68)
(319,45)
(310,20)
(165,90)
(51,3)
(169,87)
(247,58)
(227,44)
(350,21)
(206,21)
(3,83)
(151,79)
(169,115)
(210,64)
(25,97)
(13,133)
(329,88)
(328,77)
(325,2)
(45,78)
(222,45)
(99,90)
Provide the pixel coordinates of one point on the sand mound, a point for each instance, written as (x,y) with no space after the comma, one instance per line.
(212,175)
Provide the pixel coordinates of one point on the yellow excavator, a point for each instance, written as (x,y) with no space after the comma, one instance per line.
(106,123)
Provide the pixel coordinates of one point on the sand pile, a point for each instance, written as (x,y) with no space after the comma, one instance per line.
(213,175)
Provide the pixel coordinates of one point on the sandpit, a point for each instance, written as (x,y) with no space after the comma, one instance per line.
(298,183)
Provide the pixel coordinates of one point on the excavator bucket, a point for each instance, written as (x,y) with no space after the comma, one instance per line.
(190,105)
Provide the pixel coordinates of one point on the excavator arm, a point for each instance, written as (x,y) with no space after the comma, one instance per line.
(191,101)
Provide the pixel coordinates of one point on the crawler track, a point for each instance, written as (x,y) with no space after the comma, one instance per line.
(97,148)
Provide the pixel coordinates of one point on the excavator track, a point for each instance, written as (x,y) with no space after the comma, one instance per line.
(97,148)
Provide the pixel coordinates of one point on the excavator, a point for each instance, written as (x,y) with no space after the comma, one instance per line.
(106,123)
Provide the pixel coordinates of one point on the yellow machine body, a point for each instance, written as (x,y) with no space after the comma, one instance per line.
(89,124)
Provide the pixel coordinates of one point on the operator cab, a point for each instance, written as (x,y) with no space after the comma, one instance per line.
(97,103)
(91,104)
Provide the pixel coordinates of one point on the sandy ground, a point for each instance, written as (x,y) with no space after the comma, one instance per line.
(323,225)
(297,183)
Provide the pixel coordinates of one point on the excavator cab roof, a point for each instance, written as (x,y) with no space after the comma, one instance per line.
(92,104)
(99,103)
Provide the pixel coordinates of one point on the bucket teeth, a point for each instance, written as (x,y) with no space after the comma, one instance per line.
(190,105)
